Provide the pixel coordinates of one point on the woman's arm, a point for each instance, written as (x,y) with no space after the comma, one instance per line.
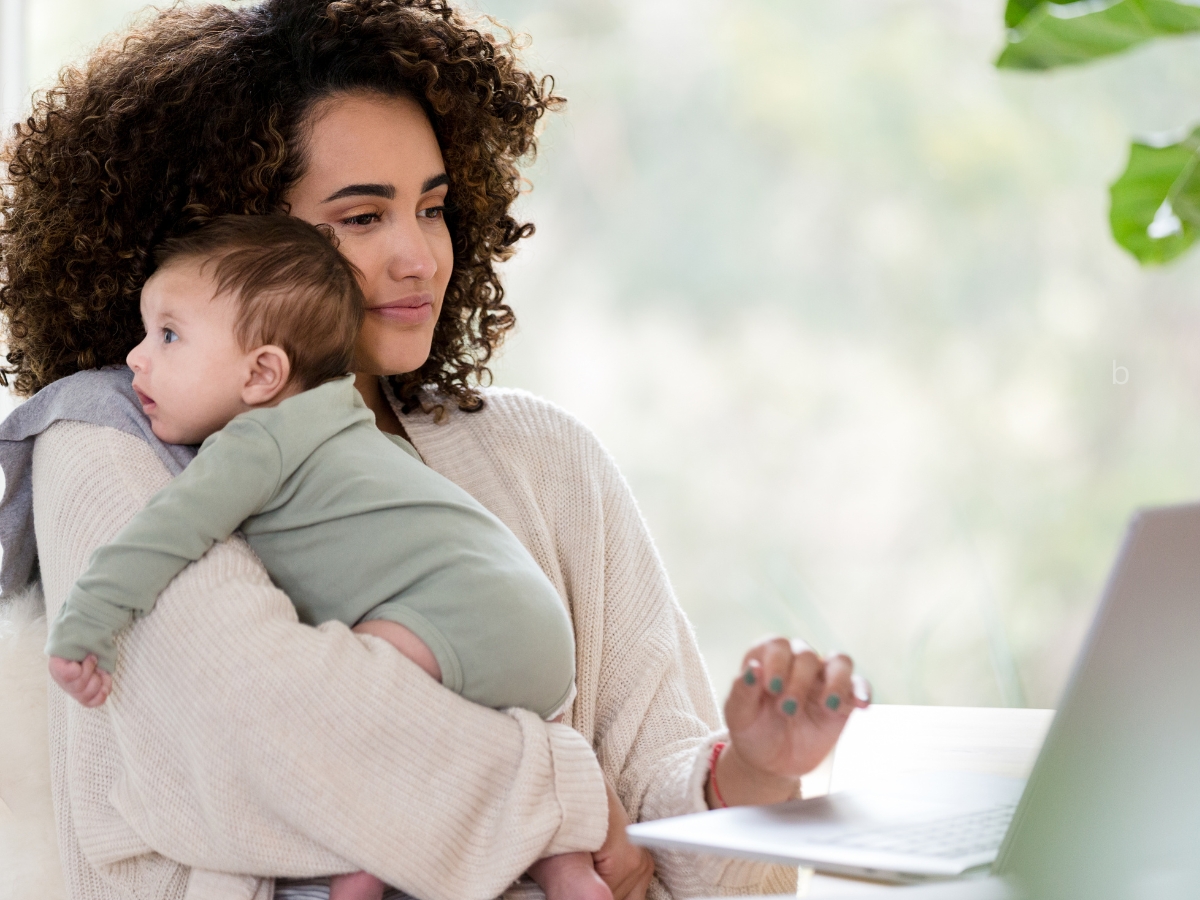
(657,718)
(239,740)
(659,747)
(644,701)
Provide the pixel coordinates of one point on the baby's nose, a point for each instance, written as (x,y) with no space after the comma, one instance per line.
(136,359)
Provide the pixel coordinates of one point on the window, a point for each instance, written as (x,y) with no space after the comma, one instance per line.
(840,298)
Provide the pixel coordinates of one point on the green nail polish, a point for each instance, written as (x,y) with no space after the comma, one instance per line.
(749,677)
(789,707)
(776,685)
(833,702)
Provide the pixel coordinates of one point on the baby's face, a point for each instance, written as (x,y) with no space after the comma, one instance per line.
(189,370)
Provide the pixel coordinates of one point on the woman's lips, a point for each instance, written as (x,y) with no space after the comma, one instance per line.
(412,310)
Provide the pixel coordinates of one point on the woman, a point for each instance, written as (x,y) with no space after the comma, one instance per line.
(400,126)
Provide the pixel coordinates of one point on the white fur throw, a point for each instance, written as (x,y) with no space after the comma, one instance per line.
(29,862)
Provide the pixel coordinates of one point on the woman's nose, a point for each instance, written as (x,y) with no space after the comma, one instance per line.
(412,256)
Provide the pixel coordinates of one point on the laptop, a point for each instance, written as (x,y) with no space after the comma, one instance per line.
(1112,807)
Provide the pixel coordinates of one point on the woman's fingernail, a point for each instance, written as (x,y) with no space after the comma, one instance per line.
(862,689)
(749,677)
(789,706)
(833,701)
(776,685)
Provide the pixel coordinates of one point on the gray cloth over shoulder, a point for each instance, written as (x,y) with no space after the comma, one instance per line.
(97,397)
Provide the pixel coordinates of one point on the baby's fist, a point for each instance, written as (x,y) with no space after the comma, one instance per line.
(84,681)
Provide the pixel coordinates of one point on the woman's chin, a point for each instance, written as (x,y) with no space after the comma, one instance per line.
(392,364)
(394,354)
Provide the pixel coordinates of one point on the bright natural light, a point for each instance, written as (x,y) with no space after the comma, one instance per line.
(841,299)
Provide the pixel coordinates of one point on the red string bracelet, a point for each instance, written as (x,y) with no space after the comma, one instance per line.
(712,772)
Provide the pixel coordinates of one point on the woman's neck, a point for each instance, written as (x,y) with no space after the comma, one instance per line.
(386,419)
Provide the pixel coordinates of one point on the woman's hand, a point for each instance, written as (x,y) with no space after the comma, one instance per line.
(785,712)
(626,869)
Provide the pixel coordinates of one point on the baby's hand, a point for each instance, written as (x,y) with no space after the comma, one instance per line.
(83,681)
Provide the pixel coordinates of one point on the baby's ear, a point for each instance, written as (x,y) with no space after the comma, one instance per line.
(270,369)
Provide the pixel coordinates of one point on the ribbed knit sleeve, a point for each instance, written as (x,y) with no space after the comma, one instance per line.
(644,701)
(238,740)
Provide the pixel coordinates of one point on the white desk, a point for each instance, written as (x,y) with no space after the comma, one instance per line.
(903,740)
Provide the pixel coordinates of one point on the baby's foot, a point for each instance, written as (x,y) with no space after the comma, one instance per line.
(569,876)
(355,886)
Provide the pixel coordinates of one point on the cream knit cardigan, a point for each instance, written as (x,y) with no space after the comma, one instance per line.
(239,741)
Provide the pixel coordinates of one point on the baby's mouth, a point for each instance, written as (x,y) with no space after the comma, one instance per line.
(147,403)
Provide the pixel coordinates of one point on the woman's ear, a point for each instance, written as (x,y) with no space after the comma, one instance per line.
(270,369)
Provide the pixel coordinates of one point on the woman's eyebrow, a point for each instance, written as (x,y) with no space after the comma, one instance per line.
(435,181)
(386,191)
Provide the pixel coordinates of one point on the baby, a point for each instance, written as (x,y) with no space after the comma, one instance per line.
(250,328)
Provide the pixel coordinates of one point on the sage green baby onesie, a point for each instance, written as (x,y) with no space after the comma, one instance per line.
(352,526)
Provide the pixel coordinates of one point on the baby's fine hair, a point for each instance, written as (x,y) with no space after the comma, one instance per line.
(292,287)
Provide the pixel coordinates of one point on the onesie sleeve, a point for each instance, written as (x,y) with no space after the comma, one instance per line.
(235,474)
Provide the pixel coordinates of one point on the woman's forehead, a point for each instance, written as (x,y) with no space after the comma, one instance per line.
(373,139)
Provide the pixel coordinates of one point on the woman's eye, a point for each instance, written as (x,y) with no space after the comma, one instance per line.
(169,336)
(433,212)
(361,219)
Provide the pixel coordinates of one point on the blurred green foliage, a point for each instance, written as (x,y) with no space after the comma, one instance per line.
(1048,33)
(1016,11)
(1154,211)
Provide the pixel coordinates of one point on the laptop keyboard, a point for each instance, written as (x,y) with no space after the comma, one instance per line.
(949,838)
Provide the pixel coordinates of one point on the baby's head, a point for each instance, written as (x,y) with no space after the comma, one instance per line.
(240,314)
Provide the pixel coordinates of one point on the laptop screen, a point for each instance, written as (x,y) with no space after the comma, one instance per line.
(1112,809)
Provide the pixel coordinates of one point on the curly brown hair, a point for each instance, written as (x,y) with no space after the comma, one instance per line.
(199,112)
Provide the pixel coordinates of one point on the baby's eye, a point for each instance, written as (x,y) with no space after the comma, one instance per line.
(169,336)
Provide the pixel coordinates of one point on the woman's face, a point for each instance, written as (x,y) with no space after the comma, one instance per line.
(375,174)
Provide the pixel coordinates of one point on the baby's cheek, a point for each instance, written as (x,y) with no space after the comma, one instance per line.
(171,429)
(163,432)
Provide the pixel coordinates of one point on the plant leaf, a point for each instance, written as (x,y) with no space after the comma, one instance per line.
(1155,211)
(1057,33)
(1017,10)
